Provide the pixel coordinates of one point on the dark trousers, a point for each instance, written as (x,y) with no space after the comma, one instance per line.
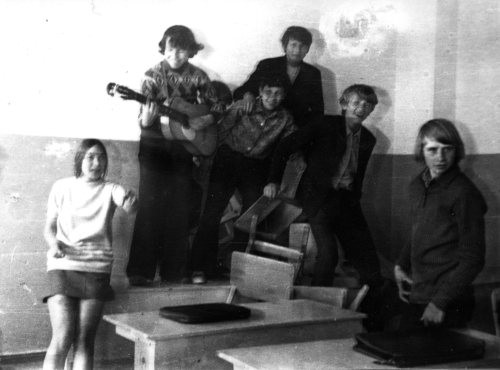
(457,315)
(230,171)
(161,226)
(341,216)
(387,312)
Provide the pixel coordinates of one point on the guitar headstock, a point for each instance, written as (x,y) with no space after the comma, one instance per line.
(123,91)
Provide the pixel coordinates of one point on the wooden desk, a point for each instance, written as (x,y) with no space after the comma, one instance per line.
(336,354)
(165,343)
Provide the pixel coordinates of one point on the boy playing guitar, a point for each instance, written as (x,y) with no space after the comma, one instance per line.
(166,184)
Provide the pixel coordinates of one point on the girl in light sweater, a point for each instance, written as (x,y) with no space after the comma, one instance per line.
(80,256)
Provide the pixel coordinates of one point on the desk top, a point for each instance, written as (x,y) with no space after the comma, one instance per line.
(150,325)
(336,354)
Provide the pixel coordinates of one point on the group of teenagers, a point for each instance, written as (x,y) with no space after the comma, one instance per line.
(276,114)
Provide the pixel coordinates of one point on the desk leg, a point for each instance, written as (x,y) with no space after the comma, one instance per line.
(144,357)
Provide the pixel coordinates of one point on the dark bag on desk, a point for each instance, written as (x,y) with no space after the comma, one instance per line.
(205,312)
(419,347)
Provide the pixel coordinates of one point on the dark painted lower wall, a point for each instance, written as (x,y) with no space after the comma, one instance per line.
(30,165)
(385,202)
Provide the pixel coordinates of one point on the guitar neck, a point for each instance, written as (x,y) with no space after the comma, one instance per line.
(164,110)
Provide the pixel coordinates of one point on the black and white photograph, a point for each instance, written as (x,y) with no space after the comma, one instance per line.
(249,184)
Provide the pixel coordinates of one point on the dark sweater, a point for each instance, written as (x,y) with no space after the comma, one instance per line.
(447,245)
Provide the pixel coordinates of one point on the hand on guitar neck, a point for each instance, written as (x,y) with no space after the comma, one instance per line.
(192,124)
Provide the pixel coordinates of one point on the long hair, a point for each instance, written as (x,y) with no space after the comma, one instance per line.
(444,132)
(82,149)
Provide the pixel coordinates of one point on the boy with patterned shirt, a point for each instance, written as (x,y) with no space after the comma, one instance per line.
(166,167)
(246,141)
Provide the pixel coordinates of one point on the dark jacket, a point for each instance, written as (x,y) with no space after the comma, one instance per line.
(324,142)
(304,98)
(446,250)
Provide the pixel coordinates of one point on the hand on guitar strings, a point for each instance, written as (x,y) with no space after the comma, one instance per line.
(149,113)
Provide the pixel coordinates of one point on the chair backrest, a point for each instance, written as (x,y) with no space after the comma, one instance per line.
(266,271)
(331,295)
(336,296)
(261,278)
(495,308)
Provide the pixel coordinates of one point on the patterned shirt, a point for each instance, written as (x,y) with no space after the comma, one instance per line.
(254,134)
(188,82)
(162,83)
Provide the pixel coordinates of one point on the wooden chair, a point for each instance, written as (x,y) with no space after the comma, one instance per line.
(276,215)
(341,297)
(495,308)
(265,270)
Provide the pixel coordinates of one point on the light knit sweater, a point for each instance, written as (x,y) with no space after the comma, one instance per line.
(83,212)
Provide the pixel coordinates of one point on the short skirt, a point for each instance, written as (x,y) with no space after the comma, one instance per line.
(80,284)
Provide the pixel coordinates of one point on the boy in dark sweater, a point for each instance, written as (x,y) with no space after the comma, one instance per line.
(446,250)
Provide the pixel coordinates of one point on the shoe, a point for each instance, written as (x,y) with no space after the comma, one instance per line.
(198,277)
(137,280)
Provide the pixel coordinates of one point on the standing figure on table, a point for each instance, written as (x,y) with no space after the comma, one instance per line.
(304,92)
(338,150)
(446,250)
(166,166)
(78,231)
(241,162)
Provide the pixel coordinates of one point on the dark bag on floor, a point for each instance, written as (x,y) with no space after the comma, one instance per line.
(419,347)
(205,312)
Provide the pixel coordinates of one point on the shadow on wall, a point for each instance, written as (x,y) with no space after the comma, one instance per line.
(328,77)
(377,200)
(378,116)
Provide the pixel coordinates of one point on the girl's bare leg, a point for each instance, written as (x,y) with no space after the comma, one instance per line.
(90,313)
(63,313)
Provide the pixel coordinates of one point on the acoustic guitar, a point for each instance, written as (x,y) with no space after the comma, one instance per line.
(191,124)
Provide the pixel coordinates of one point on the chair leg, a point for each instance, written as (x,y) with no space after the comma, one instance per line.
(359,298)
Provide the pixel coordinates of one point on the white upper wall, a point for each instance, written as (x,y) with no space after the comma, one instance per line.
(58,57)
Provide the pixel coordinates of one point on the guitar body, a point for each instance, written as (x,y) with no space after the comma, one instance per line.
(191,124)
(197,142)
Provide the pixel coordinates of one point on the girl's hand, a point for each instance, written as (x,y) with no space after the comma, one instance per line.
(404,283)
(56,251)
(432,315)
(129,201)
(149,113)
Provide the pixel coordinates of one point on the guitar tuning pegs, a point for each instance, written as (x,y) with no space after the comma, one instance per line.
(111,88)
